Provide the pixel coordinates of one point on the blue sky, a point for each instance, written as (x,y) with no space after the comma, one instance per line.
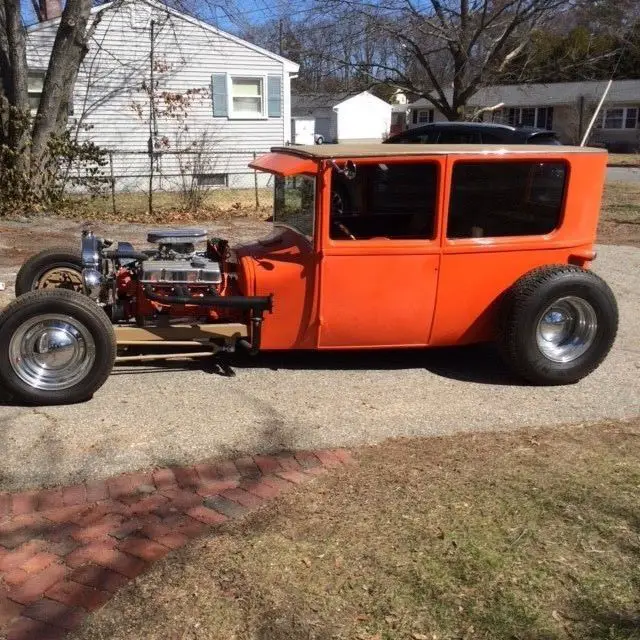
(213,11)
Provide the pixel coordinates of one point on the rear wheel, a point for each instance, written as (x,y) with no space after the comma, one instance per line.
(558,324)
(56,347)
(59,267)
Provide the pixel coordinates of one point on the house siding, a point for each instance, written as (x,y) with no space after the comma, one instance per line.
(566,123)
(112,106)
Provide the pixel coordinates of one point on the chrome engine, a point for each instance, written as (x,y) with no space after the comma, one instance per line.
(176,260)
(172,283)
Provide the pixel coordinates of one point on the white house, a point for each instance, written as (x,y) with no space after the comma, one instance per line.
(213,93)
(345,118)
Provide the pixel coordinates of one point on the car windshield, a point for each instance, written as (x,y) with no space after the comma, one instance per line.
(294,203)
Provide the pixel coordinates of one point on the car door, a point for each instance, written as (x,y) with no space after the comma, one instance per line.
(380,259)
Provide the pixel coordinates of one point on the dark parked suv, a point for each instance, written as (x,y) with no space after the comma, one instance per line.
(474,133)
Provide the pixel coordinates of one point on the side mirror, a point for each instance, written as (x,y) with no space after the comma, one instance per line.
(348,171)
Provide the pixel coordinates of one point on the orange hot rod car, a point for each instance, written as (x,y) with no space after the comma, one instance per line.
(425,246)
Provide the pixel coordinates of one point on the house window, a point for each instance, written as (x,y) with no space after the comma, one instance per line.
(35,81)
(422,116)
(527,117)
(540,117)
(619,118)
(394,201)
(247,97)
(497,199)
(212,179)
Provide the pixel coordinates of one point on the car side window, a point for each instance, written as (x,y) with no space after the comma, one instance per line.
(491,138)
(429,137)
(395,201)
(494,199)
(459,137)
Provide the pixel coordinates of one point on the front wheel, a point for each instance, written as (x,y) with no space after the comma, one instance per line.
(56,347)
(59,267)
(558,324)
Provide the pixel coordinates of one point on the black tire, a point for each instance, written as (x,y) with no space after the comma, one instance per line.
(38,265)
(523,308)
(82,311)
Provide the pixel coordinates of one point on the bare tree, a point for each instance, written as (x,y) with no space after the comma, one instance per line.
(26,144)
(445,50)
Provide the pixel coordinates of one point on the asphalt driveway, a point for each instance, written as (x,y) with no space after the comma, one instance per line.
(179,413)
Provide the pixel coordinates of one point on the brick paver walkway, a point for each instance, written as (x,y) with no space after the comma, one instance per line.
(64,552)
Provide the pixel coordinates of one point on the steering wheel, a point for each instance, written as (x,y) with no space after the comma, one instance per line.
(344,230)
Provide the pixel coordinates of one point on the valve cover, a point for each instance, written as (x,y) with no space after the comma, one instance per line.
(196,271)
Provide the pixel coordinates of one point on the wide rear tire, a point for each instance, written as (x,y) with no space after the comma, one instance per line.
(558,324)
(56,347)
(51,268)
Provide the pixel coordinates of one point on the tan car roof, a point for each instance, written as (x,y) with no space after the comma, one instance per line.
(322,151)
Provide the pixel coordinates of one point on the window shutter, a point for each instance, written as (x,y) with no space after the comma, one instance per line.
(274,91)
(414,116)
(219,94)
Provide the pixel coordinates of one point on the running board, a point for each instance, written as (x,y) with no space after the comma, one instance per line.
(190,335)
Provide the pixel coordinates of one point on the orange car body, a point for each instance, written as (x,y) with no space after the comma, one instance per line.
(380,293)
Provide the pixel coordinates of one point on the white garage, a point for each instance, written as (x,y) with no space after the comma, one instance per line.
(343,118)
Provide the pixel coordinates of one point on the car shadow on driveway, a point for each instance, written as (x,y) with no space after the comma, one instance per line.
(480,364)
(477,363)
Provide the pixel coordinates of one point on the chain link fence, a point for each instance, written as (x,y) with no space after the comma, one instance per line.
(193,181)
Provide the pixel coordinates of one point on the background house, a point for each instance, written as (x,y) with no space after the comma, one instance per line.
(343,117)
(214,95)
(565,107)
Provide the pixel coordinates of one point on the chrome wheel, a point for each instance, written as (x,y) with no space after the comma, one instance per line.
(52,352)
(567,328)
(60,278)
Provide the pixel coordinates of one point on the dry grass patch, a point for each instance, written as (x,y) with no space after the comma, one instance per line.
(621,202)
(533,536)
(624,159)
(620,217)
(169,207)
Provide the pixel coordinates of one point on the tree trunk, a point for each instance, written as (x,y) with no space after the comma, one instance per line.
(14,74)
(68,51)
